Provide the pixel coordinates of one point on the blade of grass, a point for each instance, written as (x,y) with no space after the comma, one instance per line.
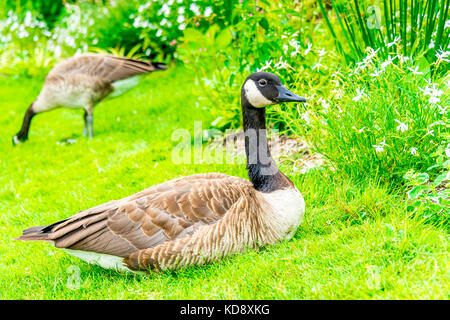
(330,27)
(366,35)
(443,12)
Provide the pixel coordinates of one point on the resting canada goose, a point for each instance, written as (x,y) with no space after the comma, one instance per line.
(195,219)
(83,81)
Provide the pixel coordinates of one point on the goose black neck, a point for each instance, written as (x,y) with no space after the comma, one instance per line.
(23,133)
(262,169)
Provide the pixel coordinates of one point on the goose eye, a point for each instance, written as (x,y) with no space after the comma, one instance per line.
(262,82)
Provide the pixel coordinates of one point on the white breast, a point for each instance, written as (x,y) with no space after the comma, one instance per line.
(105,261)
(288,208)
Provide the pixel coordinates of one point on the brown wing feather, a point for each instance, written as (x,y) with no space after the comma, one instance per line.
(104,66)
(168,211)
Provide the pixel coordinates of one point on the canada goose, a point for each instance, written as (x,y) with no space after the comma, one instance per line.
(83,81)
(195,219)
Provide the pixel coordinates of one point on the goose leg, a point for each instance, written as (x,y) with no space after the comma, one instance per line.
(90,121)
(22,135)
(88,129)
(85,129)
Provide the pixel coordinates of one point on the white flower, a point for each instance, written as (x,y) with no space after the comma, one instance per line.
(359,95)
(296,45)
(165,9)
(281,64)
(308,49)
(447,150)
(318,65)
(372,53)
(414,71)
(402,126)
(305,117)
(442,55)
(195,9)
(387,62)
(180,18)
(429,132)
(376,73)
(379,147)
(322,52)
(208,11)
(324,104)
(390,44)
(402,58)
(442,110)
(337,93)
(431,91)
(413,151)
(267,65)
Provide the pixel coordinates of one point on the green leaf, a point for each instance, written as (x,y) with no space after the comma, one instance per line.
(424,65)
(440,178)
(264,24)
(191,34)
(230,83)
(446,164)
(416,191)
(223,39)
(423,177)
(444,193)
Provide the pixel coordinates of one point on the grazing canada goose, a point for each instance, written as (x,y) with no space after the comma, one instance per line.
(195,219)
(83,81)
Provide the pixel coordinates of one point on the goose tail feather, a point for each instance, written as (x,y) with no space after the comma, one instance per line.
(159,65)
(34,234)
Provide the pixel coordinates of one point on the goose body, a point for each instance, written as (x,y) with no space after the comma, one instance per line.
(83,81)
(195,219)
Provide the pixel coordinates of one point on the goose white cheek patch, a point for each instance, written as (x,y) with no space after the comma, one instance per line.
(254,96)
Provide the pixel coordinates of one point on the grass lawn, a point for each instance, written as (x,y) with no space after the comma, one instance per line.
(356,241)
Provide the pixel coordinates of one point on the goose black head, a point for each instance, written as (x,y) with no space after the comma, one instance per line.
(262,89)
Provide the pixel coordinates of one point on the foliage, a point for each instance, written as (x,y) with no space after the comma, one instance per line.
(377,118)
(48,10)
(429,195)
(417,26)
(78,26)
(161,24)
(269,36)
(380,119)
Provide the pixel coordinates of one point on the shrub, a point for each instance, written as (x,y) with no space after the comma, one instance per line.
(416,26)
(375,119)
(271,37)
(381,119)
(428,194)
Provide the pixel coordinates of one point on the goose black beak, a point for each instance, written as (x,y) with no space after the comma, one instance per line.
(284,95)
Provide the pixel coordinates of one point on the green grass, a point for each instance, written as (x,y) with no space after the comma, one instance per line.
(356,240)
